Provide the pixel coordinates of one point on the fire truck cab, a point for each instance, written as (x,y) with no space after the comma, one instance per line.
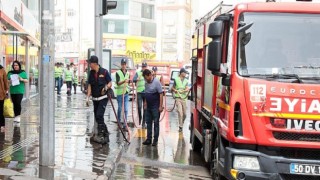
(255,106)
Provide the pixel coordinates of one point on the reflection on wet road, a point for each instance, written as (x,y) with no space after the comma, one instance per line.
(75,156)
(78,158)
(171,159)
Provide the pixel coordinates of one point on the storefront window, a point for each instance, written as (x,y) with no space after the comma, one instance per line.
(15,49)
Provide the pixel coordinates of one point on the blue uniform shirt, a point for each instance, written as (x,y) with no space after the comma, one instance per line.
(152,93)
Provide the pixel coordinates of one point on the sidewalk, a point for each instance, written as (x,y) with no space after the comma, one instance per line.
(75,156)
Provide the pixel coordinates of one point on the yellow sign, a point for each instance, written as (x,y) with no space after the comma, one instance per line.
(136,47)
(33,51)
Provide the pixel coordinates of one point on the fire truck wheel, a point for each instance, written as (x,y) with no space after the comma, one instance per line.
(195,142)
(214,162)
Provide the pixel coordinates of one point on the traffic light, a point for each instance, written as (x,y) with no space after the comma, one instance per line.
(107,5)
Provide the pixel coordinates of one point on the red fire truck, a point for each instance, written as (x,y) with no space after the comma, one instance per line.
(255,110)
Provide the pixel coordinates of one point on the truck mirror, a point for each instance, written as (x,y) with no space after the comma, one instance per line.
(215,47)
(226,80)
(215,29)
(214,56)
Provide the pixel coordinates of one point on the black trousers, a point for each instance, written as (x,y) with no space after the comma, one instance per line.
(16,100)
(2,121)
(99,108)
(69,86)
(75,87)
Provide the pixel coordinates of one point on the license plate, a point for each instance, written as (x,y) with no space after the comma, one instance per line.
(307,169)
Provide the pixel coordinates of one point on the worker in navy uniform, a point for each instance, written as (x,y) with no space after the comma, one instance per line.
(99,82)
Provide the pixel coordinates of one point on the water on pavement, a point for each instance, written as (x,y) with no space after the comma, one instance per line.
(78,158)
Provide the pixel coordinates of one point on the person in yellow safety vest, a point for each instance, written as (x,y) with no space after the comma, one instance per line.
(68,79)
(180,89)
(85,80)
(57,76)
(72,68)
(63,70)
(140,86)
(156,75)
(75,81)
(122,90)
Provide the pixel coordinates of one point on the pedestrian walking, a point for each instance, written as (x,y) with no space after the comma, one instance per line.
(153,106)
(4,87)
(140,86)
(57,76)
(63,71)
(99,82)
(72,68)
(180,88)
(68,79)
(122,91)
(18,78)
(75,81)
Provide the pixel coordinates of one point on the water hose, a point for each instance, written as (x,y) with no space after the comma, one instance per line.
(178,92)
(118,122)
(134,99)
(123,112)
(165,106)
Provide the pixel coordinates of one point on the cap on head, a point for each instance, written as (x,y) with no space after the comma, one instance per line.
(93,59)
(183,70)
(144,64)
(124,61)
(154,68)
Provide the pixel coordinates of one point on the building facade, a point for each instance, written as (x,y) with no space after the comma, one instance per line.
(67,30)
(20,38)
(174,30)
(130,30)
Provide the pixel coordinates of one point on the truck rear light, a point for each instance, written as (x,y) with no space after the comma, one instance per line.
(246,163)
(279,123)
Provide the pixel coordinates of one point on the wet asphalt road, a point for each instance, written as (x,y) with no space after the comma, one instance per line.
(78,158)
(171,159)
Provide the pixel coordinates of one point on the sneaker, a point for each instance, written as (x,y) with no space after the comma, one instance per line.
(155,143)
(147,142)
(180,129)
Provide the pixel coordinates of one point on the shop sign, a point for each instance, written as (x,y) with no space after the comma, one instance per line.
(17,12)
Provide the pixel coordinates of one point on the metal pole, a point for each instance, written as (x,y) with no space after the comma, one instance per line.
(47,103)
(27,68)
(12,48)
(17,48)
(97,40)
(98,30)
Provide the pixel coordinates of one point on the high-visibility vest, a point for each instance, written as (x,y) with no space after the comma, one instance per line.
(57,72)
(119,89)
(85,76)
(140,82)
(158,77)
(181,85)
(75,79)
(35,73)
(68,75)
